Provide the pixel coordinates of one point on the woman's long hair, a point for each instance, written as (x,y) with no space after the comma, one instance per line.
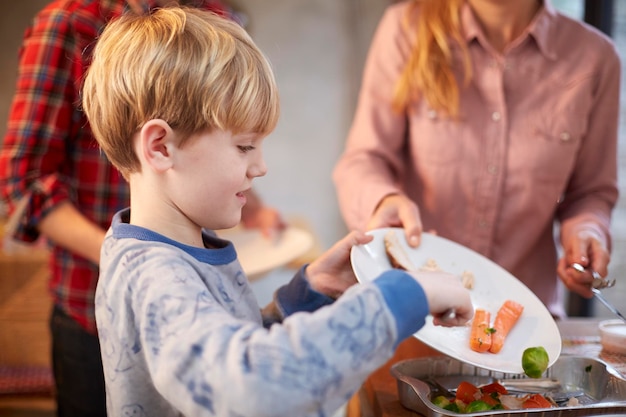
(428,73)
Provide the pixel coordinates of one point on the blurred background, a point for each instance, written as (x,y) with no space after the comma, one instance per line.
(317,49)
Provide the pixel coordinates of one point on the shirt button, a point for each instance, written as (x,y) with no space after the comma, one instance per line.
(565,136)
(492,169)
(483,224)
(495,116)
(431,114)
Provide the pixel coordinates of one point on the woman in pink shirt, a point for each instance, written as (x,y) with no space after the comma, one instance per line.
(489,123)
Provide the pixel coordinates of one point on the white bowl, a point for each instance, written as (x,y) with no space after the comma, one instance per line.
(613,336)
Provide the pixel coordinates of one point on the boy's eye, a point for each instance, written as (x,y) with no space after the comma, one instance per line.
(246,148)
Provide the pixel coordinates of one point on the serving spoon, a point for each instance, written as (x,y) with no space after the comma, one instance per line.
(596,285)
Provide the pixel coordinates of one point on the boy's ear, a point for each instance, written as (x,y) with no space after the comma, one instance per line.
(156,144)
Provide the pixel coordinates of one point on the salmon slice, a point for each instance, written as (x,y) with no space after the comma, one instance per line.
(506,318)
(480,333)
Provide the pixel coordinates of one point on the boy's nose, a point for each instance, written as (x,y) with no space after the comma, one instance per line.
(258,169)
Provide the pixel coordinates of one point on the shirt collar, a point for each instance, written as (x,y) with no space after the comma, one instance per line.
(539,29)
(471,28)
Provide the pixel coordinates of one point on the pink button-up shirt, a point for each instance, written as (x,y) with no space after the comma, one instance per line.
(536,144)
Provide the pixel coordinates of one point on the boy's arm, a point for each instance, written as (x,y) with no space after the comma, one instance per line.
(298,296)
(293,297)
(317,284)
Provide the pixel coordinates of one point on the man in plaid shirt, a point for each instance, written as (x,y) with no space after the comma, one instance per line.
(56,182)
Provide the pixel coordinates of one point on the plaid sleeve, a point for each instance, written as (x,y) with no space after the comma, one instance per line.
(40,120)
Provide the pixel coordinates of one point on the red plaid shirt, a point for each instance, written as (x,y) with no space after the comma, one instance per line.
(49,154)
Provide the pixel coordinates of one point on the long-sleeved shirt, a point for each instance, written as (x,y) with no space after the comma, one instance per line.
(182,334)
(49,155)
(535,143)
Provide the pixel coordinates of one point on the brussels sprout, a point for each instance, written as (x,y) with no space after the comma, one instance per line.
(535,361)
(478,405)
(454,407)
(446,404)
(441,401)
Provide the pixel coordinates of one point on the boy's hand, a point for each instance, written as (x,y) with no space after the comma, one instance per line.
(331,274)
(449,301)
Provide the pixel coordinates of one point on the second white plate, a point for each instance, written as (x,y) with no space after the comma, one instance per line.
(259,255)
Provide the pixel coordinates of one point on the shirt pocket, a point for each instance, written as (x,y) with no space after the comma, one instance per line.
(558,136)
(561,127)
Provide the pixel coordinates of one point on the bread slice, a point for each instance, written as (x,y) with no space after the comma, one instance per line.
(398,258)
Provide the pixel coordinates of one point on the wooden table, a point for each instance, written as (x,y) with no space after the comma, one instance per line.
(379,395)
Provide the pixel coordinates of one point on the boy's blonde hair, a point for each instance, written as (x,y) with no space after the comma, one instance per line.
(193,69)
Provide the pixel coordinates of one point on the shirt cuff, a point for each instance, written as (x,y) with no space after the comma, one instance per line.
(298,296)
(406,299)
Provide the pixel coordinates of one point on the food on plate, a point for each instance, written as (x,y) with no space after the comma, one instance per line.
(480,333)
(398,258)
(505,319)
(535,361)
(484,337)
(470,398)
(430,265)
(467,279)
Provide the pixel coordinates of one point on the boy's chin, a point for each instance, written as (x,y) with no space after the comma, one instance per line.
(229,224)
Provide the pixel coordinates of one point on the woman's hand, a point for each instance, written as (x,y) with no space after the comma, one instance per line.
(331,273)
(588,249)
(397,210)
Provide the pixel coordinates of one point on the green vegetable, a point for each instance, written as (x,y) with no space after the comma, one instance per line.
(478,405)
(441,401)
(446,404)
(454,407)
(535,361)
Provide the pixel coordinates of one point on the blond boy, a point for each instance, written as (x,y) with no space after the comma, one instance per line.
(180,101)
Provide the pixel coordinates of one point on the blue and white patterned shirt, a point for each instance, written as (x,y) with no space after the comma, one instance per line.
(182,333)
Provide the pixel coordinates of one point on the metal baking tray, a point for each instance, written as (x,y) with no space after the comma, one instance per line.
(603,389)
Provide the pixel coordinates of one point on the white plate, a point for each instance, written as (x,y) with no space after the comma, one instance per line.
(493,285)
(259,254)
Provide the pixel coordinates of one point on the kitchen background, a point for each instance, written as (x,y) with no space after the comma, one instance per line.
(317,48)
